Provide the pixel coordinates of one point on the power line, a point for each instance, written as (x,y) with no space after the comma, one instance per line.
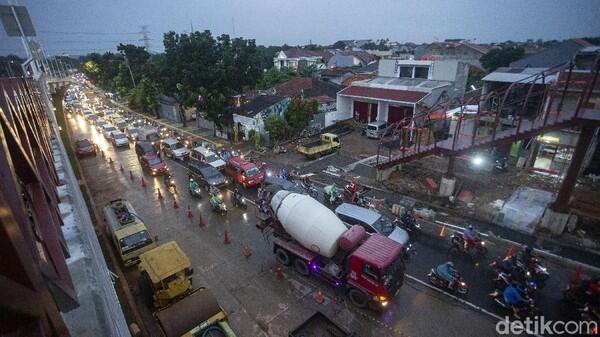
(85,33)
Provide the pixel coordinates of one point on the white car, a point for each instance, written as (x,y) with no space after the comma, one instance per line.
(173,148)
(107,130)
(119,139)
(205,155)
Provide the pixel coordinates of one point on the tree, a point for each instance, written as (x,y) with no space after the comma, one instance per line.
(278,128)
(273,77)
(300,113)
(339,45)
(497,58)
(308,71)
(144,96)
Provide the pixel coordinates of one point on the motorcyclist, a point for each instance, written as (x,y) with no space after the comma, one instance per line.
(448,273)
(214,200)
(407,218)
(306,181)
(470,236)
(332,193)
(514,296)
(193,184)
(527,256)
(237,197)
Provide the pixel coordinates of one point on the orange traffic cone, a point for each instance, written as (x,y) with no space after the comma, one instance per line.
(143,182)
(189,212)
(201,221)
(247,251)
(130,175)
(158,194)
(175,205)
(319,297)
(443,231)
(279,273)
(226,238)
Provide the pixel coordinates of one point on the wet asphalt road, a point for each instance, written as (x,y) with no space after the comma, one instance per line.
(430,250)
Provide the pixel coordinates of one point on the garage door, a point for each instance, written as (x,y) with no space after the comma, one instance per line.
(361,111)
(397,113)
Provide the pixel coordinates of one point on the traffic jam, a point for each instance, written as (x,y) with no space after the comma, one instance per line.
(330,232)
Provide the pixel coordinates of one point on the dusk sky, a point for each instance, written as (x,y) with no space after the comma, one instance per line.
(78,27)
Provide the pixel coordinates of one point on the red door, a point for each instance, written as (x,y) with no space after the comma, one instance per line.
(397,113)
(361,111)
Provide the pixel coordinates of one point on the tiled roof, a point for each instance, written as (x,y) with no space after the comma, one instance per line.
(300,52)
(258,104)
(306,86)
(384,94)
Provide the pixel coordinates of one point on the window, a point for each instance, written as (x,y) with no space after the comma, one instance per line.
(406,72)
(422,72)
(369,271)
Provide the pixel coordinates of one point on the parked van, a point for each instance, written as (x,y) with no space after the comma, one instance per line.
(377,129)
(205,155)
(244,172)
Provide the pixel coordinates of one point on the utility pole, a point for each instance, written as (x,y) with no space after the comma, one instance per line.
(128,67)
(145,37)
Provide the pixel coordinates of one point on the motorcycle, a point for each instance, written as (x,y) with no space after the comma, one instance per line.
(408,222)
(216,203)
(504,279)
(352,187)
(332,196)
(475,250)
(170,183)
(310,189)
(535,270)
(525,309)
(458,285)
(238,201)
(194,189)
(577,293)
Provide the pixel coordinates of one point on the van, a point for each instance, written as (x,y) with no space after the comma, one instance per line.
(377,129)
(243,172)
(144,148)
(371,221)
(205,155)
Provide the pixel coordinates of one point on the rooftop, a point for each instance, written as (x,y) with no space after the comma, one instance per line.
(557,54)
(301,52)
(512,75)
(258,104)
(307,87)
(405,96)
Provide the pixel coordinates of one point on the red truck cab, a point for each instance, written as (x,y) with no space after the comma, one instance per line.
(372,273)
(153,165)
(376,268)
(244,172)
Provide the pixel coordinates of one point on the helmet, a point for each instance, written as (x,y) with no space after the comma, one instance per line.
(470,227)
(450,263)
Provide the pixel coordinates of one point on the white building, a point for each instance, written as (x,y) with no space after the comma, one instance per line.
(298,58)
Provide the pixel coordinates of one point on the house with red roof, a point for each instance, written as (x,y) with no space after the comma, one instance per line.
(401,89)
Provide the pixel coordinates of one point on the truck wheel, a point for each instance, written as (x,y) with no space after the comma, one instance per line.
(282,257)
(358,298)
(301,267)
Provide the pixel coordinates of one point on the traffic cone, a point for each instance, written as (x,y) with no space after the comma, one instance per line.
(443,231)
(189,212)
(201,221)
(143,182)
(510,250)
(110,160)
(279,273)
(247,251)
(175,205)
(226,238)
(158,194)
(319,297)
(130,175)
(576,275)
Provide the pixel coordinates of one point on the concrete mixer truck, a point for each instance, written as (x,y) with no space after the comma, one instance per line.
(312,239)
